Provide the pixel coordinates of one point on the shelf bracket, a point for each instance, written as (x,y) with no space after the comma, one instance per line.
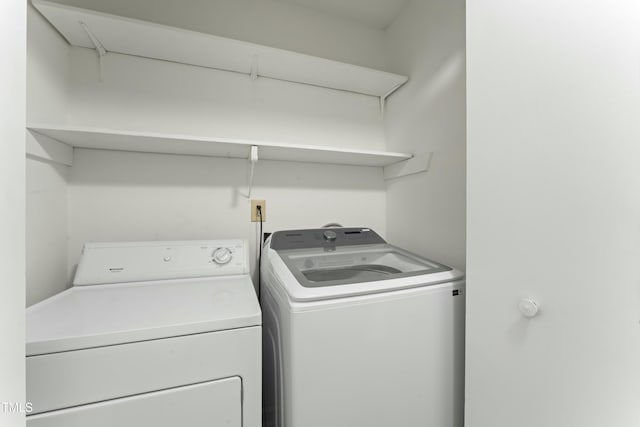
(100,50)
(383,98)
(254,76)
(42,147)
(253,159)
(383,101)
(416,164)
(254,68)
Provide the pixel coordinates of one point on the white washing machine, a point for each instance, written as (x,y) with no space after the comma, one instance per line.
(358,332)
(157,334)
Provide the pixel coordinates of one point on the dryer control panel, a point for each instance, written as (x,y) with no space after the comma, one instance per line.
(102,263)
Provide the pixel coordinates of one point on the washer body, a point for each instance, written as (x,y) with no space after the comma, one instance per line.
(151,334)
(358,332)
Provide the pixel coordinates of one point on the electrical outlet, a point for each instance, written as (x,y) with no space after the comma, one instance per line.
(254,210)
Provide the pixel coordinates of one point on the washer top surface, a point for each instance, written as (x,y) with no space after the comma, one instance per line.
(95,315)
(321,264)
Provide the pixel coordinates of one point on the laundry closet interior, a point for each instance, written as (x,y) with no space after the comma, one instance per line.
(155,129)
(357,110)
(493,142)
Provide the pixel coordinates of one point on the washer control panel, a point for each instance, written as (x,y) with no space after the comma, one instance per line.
(102,263)
(324,238)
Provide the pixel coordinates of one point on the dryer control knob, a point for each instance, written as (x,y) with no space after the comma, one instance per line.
(330,235)
(222,256)
(528,307)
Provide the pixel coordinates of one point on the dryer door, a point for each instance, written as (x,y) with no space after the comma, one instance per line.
(213,403)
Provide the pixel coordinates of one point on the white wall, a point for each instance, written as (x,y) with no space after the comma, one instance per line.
(46,234)
(12,224)
(46,188)
(47,71)
(426,212)
(553,213)
(134,196)
(125,196)
(158,96)
(267,22)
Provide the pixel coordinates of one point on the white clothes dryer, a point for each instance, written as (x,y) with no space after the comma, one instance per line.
(358,332)
(151,334)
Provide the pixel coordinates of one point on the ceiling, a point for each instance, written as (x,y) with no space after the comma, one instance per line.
(376,13)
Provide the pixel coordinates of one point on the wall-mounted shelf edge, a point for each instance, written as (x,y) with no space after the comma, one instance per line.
(147,142)
(87,28)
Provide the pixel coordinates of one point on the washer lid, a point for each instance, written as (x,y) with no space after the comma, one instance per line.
(93,316)
(310,274)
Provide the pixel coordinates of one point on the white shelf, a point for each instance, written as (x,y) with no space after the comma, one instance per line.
(147,142)
(140,38)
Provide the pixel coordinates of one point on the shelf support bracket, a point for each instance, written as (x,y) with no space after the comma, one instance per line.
(254,76)
(383,98)
(254,68)
(416,164)
(253,159)
(99,47)
(40,146)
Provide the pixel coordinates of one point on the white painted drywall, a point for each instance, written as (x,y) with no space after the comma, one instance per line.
(46,234)
(134,196)
(127,196)
(267,22)
(12,227)
(553,213)
(47,71)
(46,188)
(158,96)
(194,198)
(426,212)
(378,13)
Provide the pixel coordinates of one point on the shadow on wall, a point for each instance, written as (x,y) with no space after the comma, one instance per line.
(435,106)
(443,80)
